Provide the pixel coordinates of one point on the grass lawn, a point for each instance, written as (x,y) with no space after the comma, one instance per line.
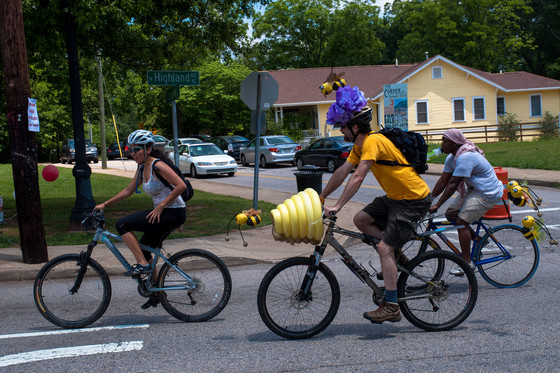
(58,198)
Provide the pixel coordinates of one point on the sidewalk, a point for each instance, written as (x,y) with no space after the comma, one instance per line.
(262,248)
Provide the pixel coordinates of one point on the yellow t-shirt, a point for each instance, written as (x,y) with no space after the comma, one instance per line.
(399,182)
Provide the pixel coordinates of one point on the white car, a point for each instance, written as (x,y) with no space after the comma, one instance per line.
(204,159)
(181,141)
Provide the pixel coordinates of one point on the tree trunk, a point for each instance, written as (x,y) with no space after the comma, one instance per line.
(23,146)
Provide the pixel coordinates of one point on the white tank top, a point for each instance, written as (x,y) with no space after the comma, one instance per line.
(158,191)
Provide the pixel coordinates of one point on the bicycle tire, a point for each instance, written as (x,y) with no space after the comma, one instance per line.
(509,272)
(292,318)
(213,286)
(452,298)
(56,303)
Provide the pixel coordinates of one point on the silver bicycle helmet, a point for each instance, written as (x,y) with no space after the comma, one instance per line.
(141,137)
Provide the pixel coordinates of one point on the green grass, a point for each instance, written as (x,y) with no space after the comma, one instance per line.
(538,154)
(58,199)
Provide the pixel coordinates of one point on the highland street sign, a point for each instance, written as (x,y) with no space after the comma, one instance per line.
(169,78)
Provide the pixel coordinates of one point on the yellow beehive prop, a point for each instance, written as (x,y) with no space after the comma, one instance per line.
(299,219)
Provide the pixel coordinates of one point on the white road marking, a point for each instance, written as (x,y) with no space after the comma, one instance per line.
(56,353)
(67,331)
(534,211)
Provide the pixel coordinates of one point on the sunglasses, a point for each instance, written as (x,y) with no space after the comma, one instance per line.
(136,149)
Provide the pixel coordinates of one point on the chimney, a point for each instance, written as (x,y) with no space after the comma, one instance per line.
(396,62)
(426,53)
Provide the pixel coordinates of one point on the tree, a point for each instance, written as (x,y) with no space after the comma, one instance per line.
(22,141)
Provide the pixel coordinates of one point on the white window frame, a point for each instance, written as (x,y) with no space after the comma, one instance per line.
(416,102)
(453,109)
(483,108)
(504,98)
(532,115)
(437,72)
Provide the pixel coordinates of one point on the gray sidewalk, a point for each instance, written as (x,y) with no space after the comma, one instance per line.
(261,245)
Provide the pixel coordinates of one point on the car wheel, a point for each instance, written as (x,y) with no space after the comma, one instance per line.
(193,171)
(244,160)
(69,161)
(62,160)
(299,163)
(331,166)
(96,160)
(263,163)
(231,173)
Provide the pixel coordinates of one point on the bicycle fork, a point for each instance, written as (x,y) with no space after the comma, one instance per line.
(84,258)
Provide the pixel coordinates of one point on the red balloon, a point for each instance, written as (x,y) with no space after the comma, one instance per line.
(50,173)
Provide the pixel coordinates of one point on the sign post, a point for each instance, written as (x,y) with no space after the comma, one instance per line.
(175,79)
(259,91)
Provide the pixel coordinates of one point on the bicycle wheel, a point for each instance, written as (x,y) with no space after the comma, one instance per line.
(55,301)
(418,245)
(211,293)
(507,271)
(283,310)
(443,302)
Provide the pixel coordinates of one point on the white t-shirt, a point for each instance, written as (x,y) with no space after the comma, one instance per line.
(478,173)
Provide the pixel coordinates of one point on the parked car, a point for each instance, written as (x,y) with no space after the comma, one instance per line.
(113,151)
(160,143)
(329,152)
(68,152)
(204,138)
(170,146)
(273,149)
(232,144)
(204,159)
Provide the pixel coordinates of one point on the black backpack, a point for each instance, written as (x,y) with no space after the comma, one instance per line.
(411,144)
(187,193)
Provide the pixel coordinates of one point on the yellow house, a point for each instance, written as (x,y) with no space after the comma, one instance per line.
(441,94)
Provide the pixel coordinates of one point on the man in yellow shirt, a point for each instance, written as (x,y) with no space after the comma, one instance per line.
(391,218)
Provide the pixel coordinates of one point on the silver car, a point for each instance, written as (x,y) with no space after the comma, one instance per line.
(204,159)
(273,149)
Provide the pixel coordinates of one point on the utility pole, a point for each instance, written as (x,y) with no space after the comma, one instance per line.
(101,112)
(23,147)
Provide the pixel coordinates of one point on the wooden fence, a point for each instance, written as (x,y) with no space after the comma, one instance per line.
(493,133)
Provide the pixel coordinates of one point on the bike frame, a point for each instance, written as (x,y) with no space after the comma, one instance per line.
(439,227)
(106,237)
(349,261)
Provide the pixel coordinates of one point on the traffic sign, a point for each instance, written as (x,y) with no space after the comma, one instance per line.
(164,78)
(172,93)
(268,90)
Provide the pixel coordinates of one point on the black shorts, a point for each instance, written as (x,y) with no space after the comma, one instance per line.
(154,233)
(397,218)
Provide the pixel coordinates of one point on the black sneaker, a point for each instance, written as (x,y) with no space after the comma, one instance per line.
(139,269)
(152,302)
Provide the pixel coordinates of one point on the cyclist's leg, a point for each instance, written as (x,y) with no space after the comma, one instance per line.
(126,226)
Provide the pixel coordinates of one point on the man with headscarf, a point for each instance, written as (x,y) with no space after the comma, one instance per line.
(465,166)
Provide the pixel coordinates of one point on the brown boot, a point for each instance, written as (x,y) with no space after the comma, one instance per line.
(401,259)
(386,312)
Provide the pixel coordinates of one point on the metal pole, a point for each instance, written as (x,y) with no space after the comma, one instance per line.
(257,147)
(175,133)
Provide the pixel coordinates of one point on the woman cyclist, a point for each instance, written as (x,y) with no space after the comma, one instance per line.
(169,208)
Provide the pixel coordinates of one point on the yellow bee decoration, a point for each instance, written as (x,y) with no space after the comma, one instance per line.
(249,217)
(333,82)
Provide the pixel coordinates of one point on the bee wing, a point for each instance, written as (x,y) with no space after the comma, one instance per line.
(331,77)
(339,75)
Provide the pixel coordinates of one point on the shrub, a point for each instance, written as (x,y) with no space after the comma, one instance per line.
(549,126)
(507,127)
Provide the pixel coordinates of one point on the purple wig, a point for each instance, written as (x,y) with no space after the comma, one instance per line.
(348,101)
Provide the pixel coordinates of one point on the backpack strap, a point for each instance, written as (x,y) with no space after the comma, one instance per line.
(158,175)
(140,172)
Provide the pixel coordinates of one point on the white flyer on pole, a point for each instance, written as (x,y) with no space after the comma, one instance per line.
(32,115)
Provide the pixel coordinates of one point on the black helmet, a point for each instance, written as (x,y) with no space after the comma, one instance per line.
(362,118)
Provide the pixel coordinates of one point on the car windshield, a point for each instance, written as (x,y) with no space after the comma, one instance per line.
(343,143)
(237,138)
(280,140)
(200,150)
(71,143)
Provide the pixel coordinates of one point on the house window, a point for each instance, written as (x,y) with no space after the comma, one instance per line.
(437,72)
(536,106)
(422,112)
(501,105)
(458,110)
(479,110)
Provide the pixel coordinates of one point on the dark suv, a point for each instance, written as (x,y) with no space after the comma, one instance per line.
(232,144)
(68,152)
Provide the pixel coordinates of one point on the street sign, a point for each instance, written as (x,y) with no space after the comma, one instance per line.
(268,90)
(172,93)
(164,78)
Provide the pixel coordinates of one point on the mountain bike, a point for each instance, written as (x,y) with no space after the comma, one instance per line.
(505,258)
(299,297)
(74,290)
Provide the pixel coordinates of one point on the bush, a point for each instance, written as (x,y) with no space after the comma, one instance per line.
(507,127)
(549,126)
